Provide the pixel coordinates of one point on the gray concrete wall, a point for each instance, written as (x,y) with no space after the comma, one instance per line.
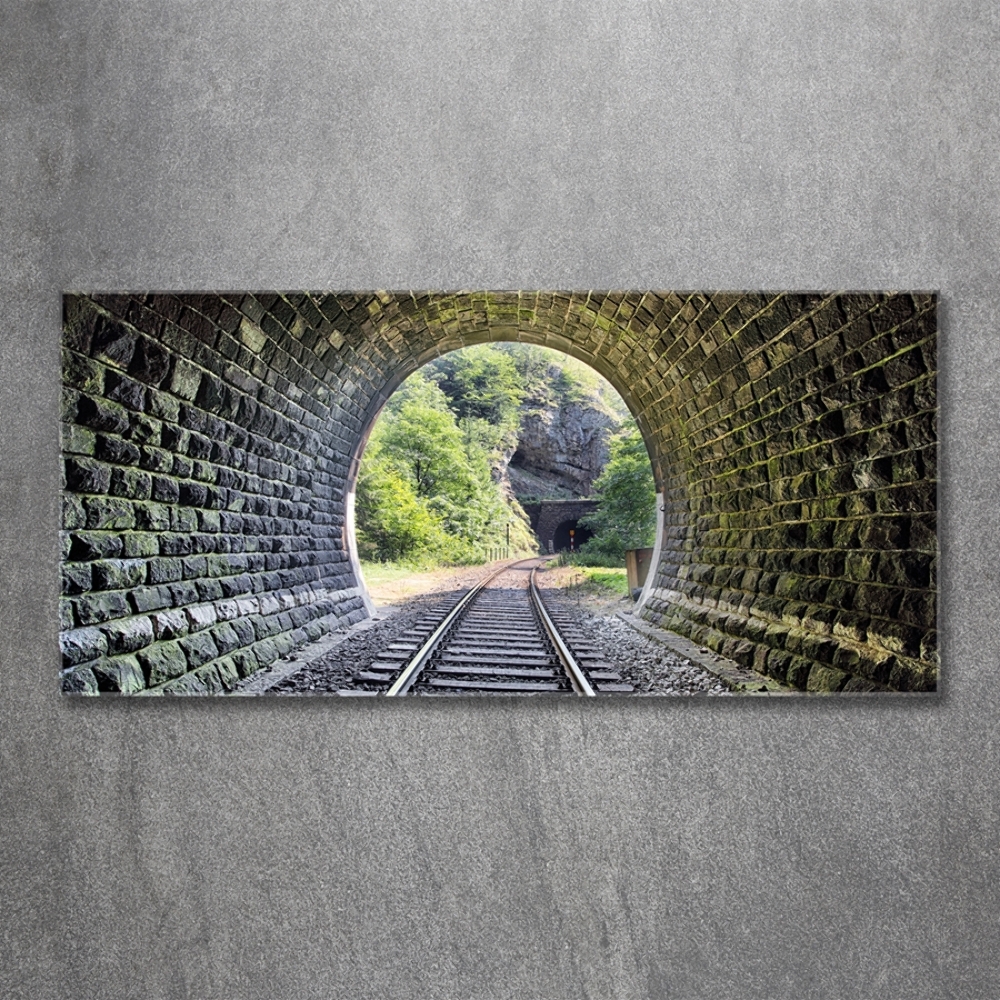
(843,848)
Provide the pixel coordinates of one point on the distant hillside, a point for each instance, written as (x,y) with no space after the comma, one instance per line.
(558,424)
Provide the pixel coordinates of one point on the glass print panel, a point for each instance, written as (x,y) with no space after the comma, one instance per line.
(568,494)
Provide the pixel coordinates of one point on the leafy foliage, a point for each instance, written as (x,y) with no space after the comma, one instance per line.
(481,382)
(428,488)
(424,488)
(626,517)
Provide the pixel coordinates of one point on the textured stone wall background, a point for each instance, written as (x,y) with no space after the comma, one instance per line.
(749,849)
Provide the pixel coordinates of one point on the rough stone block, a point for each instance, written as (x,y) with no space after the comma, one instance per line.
(113,343)
(73,514)
(131,483)
(209,676)
(118,574)
(144,430)
(82,645)
(109,513)
(175,439)
(144,599)
(798,671)
(84,475)
(140,544)
(76,578)
(92,609)
(101,415)
(195,567)
(192,494)
(151,516)
(874,664)
(213,395)
(162,662)
(183,519)
(201,616)
(165,570)
(76,440)
(184,593)
(227,610)
(848,625)
(120,674)
(187,684)
(896,637)
(209,590)
(173,544)
(150,362)
(155,459)
(233,586)
(86,545)
(82,373)
(128,634)
(163,406)
(857,685)
(826,679)
(185,379)
(228,672)
(244,631)
(225,638)
(908,675)
(904,569)
(165,489)
(904,367)
(79,680)
(199,649)
(171,624)
(246,662)
(266,652)
(124,390)
(929,647)
(878,601)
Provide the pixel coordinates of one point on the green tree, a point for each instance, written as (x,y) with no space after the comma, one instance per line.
(425,492)
(422,441)
(626,517)
(392,522)
(482,383)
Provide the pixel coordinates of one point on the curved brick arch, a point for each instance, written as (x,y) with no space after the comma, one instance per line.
(209,443)
(547,516)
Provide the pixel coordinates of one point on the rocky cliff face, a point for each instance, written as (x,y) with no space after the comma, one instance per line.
(561,450)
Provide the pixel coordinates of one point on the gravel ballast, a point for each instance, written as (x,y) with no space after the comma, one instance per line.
(328,666)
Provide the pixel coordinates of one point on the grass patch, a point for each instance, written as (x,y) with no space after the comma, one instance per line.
(585,559)
(599,581)
(388,572)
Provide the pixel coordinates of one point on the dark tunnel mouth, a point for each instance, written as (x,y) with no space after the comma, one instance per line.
(570,535)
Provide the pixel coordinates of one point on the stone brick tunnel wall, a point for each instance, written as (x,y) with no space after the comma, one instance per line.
(210,444)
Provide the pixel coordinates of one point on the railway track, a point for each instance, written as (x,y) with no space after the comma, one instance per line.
(498,638)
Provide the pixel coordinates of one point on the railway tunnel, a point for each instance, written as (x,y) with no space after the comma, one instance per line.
(553,520)
(211,442)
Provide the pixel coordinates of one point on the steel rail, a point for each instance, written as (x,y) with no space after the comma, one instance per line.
(406,679)
(576,675)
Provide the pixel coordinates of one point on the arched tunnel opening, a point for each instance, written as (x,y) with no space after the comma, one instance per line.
(494,451)
(211,443)
(570,535)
